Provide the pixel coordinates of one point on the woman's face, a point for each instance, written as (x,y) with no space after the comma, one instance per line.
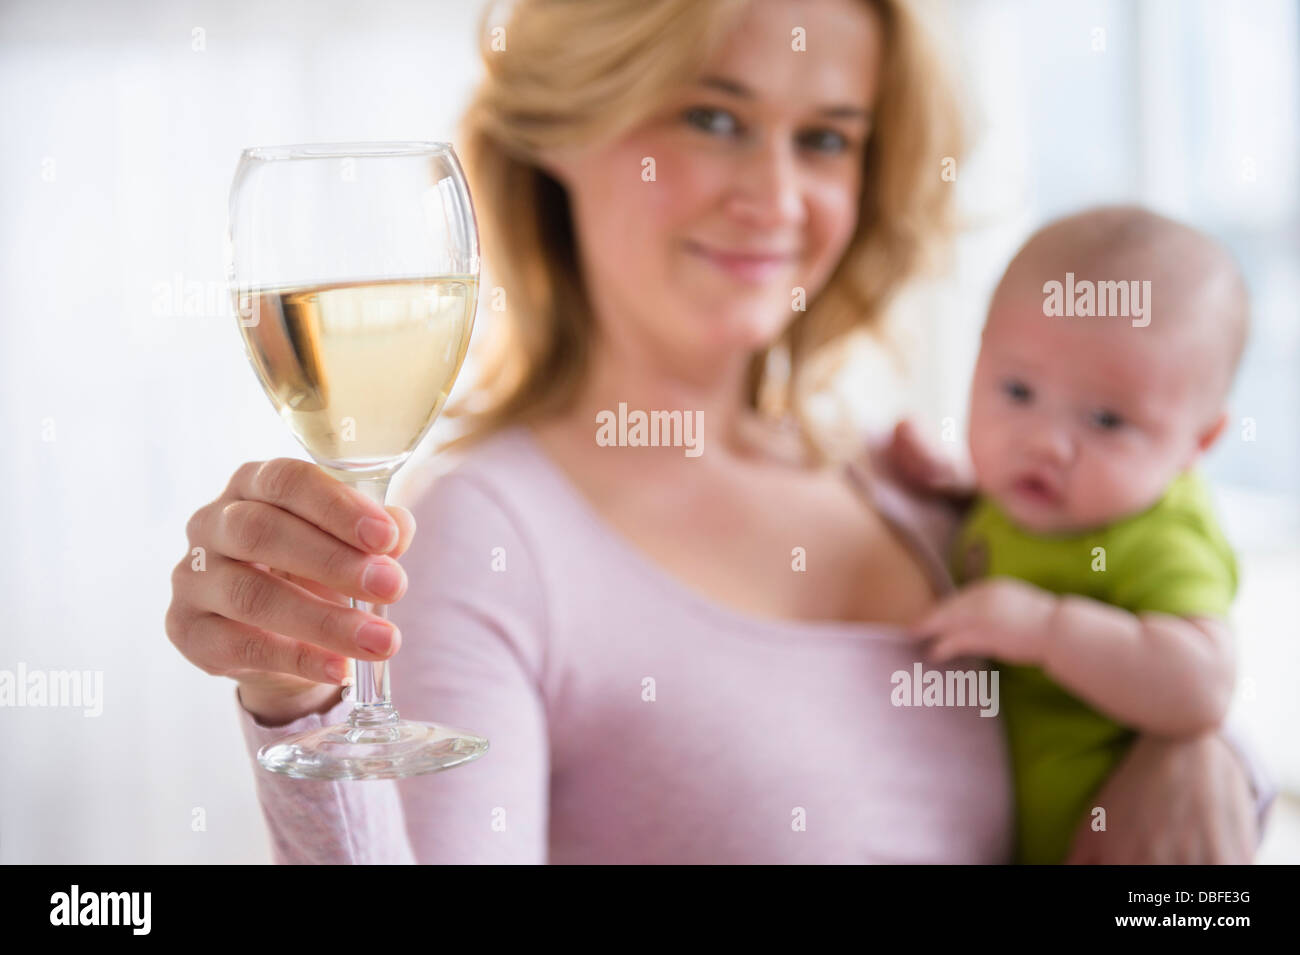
(756,168)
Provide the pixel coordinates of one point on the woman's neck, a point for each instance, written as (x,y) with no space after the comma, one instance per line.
(622,382)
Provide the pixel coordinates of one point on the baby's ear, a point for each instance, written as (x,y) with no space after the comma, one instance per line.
(1205,440)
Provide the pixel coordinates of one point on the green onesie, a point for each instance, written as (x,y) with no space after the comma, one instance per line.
(1170,558)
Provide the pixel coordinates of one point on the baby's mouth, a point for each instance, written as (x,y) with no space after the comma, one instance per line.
(1037,490)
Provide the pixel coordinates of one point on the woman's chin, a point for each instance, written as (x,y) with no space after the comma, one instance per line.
(732,330)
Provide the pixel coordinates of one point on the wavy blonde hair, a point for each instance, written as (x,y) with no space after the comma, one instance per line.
(579,73)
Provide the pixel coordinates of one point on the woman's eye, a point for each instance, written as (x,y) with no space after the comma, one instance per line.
(1017,391)
(1107,420)
(711,120)
(825,140)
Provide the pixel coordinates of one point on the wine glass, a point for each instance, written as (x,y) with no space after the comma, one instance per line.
(354,272)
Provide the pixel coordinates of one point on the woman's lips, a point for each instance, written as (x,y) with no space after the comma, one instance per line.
(745,266)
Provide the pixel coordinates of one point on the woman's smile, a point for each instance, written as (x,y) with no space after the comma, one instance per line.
(754,267)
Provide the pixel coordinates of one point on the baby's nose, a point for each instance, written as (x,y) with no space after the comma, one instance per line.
(1051,443)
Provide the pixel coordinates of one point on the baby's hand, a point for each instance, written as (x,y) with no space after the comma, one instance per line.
(922,468)
(996,617)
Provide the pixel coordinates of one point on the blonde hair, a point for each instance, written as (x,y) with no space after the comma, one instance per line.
(586,73)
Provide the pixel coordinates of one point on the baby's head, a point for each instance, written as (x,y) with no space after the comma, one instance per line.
(1081,416)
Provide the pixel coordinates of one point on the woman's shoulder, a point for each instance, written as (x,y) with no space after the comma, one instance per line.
(476,512)
(487,462)
(497,485)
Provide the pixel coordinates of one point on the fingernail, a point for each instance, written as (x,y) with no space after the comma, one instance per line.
(376,534)
(376,637)
(382,579)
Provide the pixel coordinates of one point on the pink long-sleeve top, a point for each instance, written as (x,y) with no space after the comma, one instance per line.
(762,741)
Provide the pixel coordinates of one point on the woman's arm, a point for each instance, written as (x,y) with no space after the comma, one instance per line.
(312,822)
(471,658)
(1178,801)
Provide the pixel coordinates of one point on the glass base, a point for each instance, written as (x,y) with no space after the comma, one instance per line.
(383,749)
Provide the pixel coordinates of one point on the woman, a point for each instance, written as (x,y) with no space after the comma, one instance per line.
(677,657)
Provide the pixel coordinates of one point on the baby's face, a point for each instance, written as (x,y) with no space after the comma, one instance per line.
(1079,422)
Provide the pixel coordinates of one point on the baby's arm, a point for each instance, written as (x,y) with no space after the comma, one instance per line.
(1152,671)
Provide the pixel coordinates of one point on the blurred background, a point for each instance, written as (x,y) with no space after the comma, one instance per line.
(130,402)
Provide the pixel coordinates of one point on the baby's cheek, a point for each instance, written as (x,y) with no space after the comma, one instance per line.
(1092,505)
(988,444)
(990,470)
(1114,485)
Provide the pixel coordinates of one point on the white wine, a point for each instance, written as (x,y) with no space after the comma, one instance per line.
(360,370)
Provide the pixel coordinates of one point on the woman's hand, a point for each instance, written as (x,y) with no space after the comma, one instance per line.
(265,600)
(921,467)
(1173,801)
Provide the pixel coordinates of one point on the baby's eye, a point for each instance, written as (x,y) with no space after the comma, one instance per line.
(1107,420)
(1017,391)
(824,141)
(711,120)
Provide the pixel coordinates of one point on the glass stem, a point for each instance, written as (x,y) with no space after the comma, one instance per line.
(374,698)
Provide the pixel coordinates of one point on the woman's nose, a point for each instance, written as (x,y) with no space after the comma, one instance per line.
(766,191)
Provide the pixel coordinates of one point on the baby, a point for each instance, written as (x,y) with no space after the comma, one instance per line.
(1103,578)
